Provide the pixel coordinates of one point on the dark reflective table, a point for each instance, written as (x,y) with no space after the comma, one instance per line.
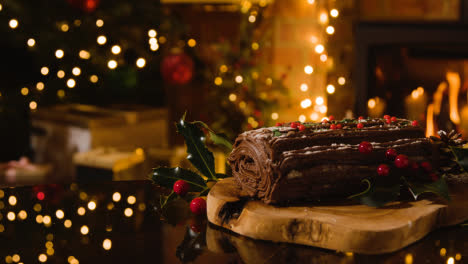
(121,222)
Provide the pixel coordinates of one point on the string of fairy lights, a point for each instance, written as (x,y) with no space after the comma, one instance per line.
(113,62)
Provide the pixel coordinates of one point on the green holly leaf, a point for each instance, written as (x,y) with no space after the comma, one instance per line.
(438,187)
(166,177)
(379,191)
(461,156)
(276,133)
(218,139)
(198,153)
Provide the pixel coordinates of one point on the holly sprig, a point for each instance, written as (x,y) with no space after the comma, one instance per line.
(202,159)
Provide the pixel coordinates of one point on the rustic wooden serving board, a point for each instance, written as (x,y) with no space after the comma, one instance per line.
(354,228)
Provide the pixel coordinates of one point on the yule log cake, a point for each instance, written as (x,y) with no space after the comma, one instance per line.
(327,160)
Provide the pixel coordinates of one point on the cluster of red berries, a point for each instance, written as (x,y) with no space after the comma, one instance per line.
(401,161)
(197,205)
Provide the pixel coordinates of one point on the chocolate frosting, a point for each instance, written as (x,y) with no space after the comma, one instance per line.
(282,164)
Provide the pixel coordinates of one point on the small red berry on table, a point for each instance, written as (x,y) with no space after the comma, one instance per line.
(391,154)
(383,170)
(365,147)
(333,126)
(401,161)
(198,206)
(427,167)
(325,121)
(278,124)
(331,118)
(388,121)
(360,125)
(393,119)
(339,126)
(386,116)
(181,187)
(415,123)
(361,117)
(293,125)
(302,127)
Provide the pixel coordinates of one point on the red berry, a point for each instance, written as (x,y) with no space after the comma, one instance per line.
(401,161)
(361,117)
(388,121)
(415,123)
(278,124)
(391,154)
(181,187)
(325,121)
(434,177)
(339,126)
(333,126)
(365,147)
(386,116)
(426,166)
(360,125)
(198,206)
(293,125)
(393,119)
(383,170)
(331,118)
(302,127)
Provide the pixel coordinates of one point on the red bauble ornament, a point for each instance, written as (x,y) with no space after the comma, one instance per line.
(415,123)
(365,147)
(383,170)
(401,161)
(386,116)
(198,206)
(84,5)
(333,126)
(391,154)
(294,125)
(331,118)
(278,124)
(339,126)
(360,125)
(181,187)
(302,127)
(427,167)
(177,69)
(393,119)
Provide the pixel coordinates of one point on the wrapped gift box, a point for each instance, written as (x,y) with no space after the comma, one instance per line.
(63,130)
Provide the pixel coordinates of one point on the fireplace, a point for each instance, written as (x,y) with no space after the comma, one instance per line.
(416,71)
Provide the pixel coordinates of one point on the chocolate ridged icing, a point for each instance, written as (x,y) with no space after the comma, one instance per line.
(282,164)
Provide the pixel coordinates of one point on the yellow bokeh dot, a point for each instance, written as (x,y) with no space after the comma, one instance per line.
(442,252)
(84,230)
(50,251)
(112,64)
(330,89)
(334,12)
(223,68)
(162,39)
(116,197)
(110,206)
(22,215)
(409,259)
(11,216)
(192,43)
(308,69)
(12,200)
(450,260)
(99,23)
(323,57)
(2,228)
(13,23)
(457,256)
(341,80)
(59,214)
(42,257)
(84,54)
(101,40)
(46,220)
(242,105)
(152,33)
(128,212)
(92,205)
(330,30)
(76,71)
(93,78)
(274,116)
(232,97)
(107,244)
(31,42)
(8,259)
(61,93)
(59,53)
(39,219)
(50,237)
(64,27)
(131,199)
(255,46)
(44,70)
(40,86)
(141,207)
(49,244)
(319,48)
(116,49)
(71,83)
(218,81)
(239,79)
(60,74)
(67,223)
(81,211)
(16,258)
(141,62)
(24,91)
(32,105)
